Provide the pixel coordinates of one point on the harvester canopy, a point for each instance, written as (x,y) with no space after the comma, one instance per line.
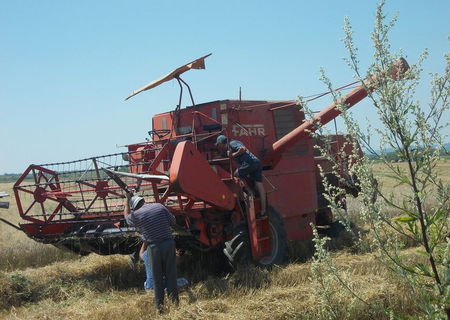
(196,64)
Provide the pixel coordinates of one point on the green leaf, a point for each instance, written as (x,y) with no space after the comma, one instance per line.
(439,214)
(405,219)
(411,269)
(408,212)
(424,269)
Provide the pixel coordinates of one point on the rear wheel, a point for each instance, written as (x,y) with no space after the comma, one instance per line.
(238,252)
(341,237)
(278,242)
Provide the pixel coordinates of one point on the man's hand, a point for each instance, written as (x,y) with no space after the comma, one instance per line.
(130,193)
(238,153)
(126,205)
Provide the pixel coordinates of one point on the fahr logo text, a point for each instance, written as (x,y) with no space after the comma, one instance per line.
(248,130)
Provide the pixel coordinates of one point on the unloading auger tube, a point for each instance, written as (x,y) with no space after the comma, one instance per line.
(396,72)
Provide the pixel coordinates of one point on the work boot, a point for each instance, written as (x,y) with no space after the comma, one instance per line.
(261,215)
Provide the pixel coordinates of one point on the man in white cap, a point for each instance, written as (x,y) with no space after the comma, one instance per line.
(153,221)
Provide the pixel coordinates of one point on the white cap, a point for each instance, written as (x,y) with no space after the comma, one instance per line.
(135,202)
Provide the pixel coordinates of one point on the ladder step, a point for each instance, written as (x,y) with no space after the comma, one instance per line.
(264,239)
(213,161)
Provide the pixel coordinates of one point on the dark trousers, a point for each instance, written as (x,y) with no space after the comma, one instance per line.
(163,262)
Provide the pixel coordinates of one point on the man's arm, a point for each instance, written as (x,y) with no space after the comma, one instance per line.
(237,149)
(239,152)
(127,210)
(143,248)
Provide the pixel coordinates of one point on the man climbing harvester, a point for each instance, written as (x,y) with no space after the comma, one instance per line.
(249,166)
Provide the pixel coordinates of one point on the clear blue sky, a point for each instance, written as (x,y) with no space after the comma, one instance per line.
(66,66)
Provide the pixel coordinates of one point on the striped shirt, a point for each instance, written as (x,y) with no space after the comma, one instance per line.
(153,221)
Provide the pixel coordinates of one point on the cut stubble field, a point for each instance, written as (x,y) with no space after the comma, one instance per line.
(39,281)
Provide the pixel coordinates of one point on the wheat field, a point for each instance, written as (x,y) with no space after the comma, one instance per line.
(39,281)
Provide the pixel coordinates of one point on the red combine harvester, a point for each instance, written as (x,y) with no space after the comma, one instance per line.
(76,205)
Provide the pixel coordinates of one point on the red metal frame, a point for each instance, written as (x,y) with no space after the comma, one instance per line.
(202,192)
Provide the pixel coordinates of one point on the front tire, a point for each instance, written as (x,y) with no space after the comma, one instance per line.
(238,252)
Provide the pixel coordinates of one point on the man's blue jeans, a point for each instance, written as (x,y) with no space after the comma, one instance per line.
(148,284)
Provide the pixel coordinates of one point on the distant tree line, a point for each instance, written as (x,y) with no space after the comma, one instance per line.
(12,177)
(393,156)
